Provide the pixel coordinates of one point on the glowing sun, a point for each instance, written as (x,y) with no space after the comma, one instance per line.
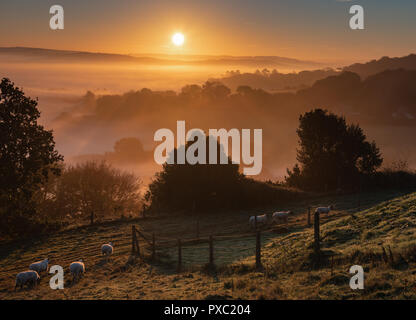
(178,39)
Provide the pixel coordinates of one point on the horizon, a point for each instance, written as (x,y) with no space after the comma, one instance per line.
(204,58)
(242,28)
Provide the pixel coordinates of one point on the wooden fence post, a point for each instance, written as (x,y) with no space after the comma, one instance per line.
(255,222)
(258,250)
(316,232)
(211,251)
(153,246)
(179,255)
(309,216)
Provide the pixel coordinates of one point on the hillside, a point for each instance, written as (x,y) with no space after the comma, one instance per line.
(387,97)
(275,81)
(385,63)
(350,235)
(41,55)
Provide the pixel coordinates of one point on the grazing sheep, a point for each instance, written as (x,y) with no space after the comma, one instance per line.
(324,209)
(77,269)
(29,277)
(281,216)
(107,249)
(39,266)
(261,220)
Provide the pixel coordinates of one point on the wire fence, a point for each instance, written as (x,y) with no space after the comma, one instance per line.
(204,249)
(220,249)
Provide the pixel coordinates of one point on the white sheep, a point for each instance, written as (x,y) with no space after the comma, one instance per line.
(324,209)
(39,266)
(27,277)
(281,216)
(77,269)
(260,220)
(107,249)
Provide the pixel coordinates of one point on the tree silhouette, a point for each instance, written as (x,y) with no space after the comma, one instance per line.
(332,154)
(178,186)
(27,155)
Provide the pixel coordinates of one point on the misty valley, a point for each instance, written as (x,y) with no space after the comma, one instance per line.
(206,177)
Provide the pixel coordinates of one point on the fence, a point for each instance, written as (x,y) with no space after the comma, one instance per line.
(208,248)
(209,245)
(205,249)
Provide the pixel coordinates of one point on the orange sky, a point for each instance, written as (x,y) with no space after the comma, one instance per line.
(311,30)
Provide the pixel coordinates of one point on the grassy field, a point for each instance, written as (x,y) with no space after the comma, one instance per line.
(358,231)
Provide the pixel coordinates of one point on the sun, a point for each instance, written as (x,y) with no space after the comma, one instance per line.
(178,39)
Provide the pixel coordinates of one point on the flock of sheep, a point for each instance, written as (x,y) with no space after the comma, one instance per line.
(77,269)
(280,217)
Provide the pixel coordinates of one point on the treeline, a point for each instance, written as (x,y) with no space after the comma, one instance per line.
(385,98)
(272,80)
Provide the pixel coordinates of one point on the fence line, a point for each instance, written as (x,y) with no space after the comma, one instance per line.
(141,241)
(159,243)
(154,246)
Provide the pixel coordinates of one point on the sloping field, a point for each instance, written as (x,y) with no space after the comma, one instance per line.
(350,235)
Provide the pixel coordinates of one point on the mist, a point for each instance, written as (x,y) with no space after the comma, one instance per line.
(91,104)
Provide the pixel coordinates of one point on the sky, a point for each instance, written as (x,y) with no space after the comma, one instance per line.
(306,29)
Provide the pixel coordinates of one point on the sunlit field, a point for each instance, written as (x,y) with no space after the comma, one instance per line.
(350,232)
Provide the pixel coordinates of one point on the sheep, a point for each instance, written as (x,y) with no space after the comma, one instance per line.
(27,277)
(77,269)
(324,209)
(107,249)
(281,216)
(39,266)
(263,219)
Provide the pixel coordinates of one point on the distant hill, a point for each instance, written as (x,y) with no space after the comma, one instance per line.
(385,63)
(272,80)
(24,54)
(388,96)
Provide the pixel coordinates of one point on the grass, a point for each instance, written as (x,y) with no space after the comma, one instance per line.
(379,234)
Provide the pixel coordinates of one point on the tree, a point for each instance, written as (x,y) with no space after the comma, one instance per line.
(27,156)
(179,186)
(94,191)
(128,150)
(332,154)
(215,90)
